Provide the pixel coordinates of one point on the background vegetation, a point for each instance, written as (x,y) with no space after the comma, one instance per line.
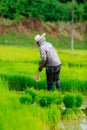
(48,10)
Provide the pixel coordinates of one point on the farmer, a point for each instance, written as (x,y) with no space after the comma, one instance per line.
(50,60)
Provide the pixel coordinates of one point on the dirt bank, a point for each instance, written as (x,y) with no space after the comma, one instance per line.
(52,28)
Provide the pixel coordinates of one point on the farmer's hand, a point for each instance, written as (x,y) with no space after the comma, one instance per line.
(40,68)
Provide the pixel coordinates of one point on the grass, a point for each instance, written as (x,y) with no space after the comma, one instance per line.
(27,40)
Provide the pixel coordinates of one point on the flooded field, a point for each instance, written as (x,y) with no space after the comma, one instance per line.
(74,125)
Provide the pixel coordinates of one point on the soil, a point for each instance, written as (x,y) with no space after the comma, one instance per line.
(37,24)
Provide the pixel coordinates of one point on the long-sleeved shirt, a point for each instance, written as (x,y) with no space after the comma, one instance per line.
(48,54)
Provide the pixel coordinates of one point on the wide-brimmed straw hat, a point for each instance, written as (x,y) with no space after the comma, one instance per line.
(38,37)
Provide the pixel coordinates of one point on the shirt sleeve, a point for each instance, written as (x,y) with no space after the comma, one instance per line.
(43,57)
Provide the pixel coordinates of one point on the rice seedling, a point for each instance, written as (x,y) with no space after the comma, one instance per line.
(85,111)
(69,101)
(44,98)
(79,100)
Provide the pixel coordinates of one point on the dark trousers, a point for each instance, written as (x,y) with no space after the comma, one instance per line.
(52,74)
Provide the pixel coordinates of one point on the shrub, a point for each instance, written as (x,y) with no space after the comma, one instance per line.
(59,9)
(85,10)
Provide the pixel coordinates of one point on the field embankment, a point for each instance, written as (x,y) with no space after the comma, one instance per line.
(58,33)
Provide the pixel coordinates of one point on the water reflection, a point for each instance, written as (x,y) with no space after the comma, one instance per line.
(74,125)
(83,124)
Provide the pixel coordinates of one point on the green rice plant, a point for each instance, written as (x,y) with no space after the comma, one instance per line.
(74,85)
(58,97)
(32,92)
(24,116)
(19,54)
(44,98)
(18,66)
(26,99)
(74,102)
(20,82)
(47,98)
(69,100)
(85,111)
(3,83)
(49,115)
(69,85)
(78,104)
(54,117)
(79,100)
(20,119)
(78,58)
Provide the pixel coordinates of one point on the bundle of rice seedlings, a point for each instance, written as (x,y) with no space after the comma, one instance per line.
(79,113)
(36,78)
(69,100)
(69,114)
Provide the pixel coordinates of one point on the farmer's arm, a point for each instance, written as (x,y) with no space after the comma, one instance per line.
(44,59)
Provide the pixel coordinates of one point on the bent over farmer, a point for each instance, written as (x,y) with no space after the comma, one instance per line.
(50,60)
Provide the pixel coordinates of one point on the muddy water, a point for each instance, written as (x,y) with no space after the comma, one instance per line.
(80,124)
(84,103)
(74,125)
